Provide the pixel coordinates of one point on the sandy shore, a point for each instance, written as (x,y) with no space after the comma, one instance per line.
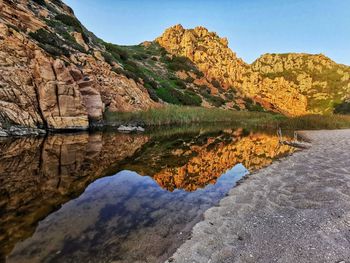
(296,210)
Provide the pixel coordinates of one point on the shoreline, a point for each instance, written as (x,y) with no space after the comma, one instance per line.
(295,210)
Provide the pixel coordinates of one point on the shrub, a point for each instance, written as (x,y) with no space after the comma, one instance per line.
(60,28)
(179,83)
(152,93)
(163,51)
(178,63)
(342,108)
(70,21)
(109,58)
(174,96)
(55,51)
(137,56)
(229,96)
(199,73)
(253,106)
(13,27)
(192,99)
(119,71)
(40,2)
(70,40)
(167,95)
(85,37)
(189,79)
(52,8)
(144,56)
(151,83)
(216,84)
(50,42)
(58,3)
(116,51)
(216,101)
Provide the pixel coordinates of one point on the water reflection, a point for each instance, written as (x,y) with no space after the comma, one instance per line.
(132,216)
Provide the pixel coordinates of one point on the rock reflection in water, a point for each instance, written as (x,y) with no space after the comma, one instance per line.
(126,217)
(37,175)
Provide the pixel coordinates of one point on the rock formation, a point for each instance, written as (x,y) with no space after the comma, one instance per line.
(56,75)
(267,80)
(322,81)
(42,89)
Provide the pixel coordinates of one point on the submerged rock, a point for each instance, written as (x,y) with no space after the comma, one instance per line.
(123,128)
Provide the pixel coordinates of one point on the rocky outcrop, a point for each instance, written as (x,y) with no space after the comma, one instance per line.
(268,80)
(323,82)
(59,92)
(208,51)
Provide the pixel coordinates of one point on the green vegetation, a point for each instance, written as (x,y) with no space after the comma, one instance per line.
(178,97)
(216,101)
(50,42)
(13,27)
(58,3)
(53,44)
(322,80)
(252,105)
(116,52)
(40,2)
(314,122)
(342,108)
(176,115)
(158,76)
(70,21)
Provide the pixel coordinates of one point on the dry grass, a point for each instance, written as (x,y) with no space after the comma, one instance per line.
(180,115)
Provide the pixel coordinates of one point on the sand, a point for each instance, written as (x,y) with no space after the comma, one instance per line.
(296,210)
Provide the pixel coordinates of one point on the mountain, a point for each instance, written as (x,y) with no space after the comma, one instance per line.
(57,75)
(292,84)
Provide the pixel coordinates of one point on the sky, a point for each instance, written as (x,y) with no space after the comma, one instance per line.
(253,27)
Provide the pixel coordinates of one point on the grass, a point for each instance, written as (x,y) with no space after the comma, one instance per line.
(180,115)
(316,122)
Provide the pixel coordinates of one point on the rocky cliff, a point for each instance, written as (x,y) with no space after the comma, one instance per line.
(292,84)
(323,82)
(52,71)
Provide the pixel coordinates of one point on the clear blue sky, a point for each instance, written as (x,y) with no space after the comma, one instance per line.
(253,27)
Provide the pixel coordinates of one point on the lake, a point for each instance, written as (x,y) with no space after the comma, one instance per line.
(116,197)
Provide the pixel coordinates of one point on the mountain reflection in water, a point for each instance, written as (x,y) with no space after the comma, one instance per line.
(160,187)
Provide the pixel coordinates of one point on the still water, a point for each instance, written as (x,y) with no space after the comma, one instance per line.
(112,197)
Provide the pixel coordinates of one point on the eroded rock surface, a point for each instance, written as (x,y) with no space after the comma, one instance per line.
(39,89)
(268,80)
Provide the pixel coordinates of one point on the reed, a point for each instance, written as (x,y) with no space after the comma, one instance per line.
(173,115)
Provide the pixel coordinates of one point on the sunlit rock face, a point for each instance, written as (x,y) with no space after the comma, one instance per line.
(62,91)
(323,82)
(292,84)
(117,216)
